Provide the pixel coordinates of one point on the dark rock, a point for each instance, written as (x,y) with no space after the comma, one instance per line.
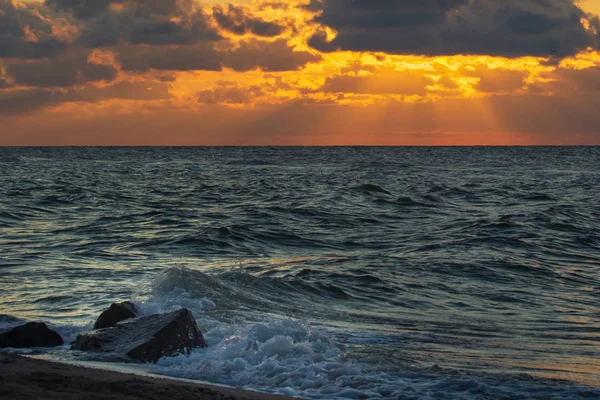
(146,339)
(116,313)
(32,334)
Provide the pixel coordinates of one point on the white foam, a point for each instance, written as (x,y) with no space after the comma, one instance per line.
(287,356)
(272,353)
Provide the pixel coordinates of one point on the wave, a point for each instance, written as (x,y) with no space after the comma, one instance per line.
(460,257)
(372,188)
(536,197)
(9,320)
(234,289)
(286,355)
(256,343)
(409,202)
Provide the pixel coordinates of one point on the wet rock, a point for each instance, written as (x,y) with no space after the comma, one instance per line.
(32,334)
(116,313)
(146,339)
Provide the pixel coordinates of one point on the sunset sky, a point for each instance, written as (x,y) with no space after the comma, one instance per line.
(299,72)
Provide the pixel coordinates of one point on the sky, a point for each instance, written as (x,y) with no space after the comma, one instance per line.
(299,72)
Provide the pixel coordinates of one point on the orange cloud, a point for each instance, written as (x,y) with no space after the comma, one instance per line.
(290,72)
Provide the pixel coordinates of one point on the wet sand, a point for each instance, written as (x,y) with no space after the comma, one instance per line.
(29,378)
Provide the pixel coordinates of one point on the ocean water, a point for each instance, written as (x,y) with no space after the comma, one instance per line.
(392,273)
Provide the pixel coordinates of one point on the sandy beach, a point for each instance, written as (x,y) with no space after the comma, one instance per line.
(29,378)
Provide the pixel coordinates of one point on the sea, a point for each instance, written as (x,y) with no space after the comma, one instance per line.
(321,272)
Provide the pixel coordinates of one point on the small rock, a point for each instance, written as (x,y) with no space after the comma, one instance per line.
(116,313)
(146,339)
(32,334)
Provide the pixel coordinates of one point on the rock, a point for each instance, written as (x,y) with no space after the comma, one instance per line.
(146,339)
(116,313)
(32,334)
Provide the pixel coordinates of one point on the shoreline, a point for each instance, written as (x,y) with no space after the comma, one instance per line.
(24,377)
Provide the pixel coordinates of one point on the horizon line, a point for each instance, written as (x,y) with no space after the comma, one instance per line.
(291,146)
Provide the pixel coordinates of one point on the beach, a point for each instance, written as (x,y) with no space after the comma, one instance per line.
(30,378)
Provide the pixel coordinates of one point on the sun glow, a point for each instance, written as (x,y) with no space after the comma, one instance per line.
(258,58)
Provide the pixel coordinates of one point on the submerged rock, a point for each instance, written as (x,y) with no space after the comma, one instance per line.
(116,313)
(32,334)
(146,339)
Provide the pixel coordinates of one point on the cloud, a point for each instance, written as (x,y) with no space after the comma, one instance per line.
(269,56)
(229,93)
(572,82)
(496,80)
(5,83)
(27,31)
(65,71)
(25,100)
(61,51)
(449,122)
(152,22)
(202,56)
(159,22)
(510,28)
(122,56)
(383,81)
(126,90)
(249,55)
(83,9)
(274,5)
(21,101)
(239,20)
(86,9)
(264,90)
(165,35)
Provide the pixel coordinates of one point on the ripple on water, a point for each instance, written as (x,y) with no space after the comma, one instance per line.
(323,272)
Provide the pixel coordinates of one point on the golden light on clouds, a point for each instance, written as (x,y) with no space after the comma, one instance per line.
(262,58)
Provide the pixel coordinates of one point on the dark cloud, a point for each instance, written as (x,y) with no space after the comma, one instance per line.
(82,8)
(239,20)
(22,101)
(5,83)
(25,32)
(202,56)
(566,81)
(231,94)
(273,5)
(144,35)
(114,29)
(251,54)
(26,100)
(154,22)
(142,90)
(85,9)
(63,72)
(268,56)
(496,80)
(159,22)
(509,28)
